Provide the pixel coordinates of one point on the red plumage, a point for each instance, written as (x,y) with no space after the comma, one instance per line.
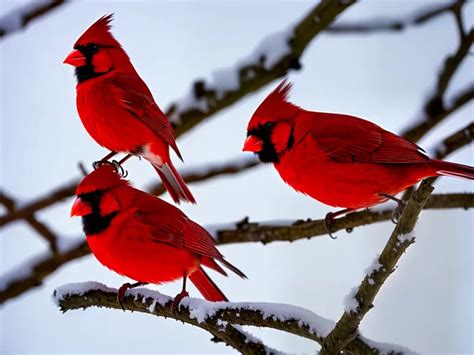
(337,159)
(143,237)
(117,108)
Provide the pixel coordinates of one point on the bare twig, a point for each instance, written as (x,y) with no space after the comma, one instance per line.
(41,228)
(207,315)
(346,329)
(391,25)
(19,18)
(455,141)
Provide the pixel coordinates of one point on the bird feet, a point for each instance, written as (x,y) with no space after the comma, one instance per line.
(330,218)
(177,300)
(117,165)
(397,212)
(123,289)
(327,222)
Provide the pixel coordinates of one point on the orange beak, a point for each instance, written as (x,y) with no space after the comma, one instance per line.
(80,208)
(252,144)
(75,58)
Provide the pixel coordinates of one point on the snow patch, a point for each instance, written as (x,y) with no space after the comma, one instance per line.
(350,302)
(375,266)
(408,237)
(201,310)
(79,288)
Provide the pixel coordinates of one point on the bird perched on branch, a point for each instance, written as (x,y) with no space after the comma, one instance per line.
(117,108)
(340,160)
(145,238)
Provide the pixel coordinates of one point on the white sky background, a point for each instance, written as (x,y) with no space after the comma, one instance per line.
(425,305)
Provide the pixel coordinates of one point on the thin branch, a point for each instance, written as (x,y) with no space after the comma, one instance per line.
(41,228)
(243,232)
(346,329)
(246,231)
(19,18)
(455,141)
(190,175)
(206,315)
(390,25)
(259,68)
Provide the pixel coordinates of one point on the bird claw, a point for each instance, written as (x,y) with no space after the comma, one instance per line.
(115,164)
(121,294)
(397,212)
(327,224)
(177,300)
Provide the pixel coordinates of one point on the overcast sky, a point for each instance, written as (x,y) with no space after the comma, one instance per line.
(427,303)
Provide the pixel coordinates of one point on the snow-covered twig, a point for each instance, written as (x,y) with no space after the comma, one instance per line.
(20,17)
(346,329)
(207,315)
(272,59)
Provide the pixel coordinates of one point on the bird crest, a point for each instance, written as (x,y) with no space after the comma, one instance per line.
(99,33)
(275,106)
(103,178)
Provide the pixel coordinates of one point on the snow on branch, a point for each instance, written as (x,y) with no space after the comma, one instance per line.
(273,58)
(346,329)
(220,316)
(19,18)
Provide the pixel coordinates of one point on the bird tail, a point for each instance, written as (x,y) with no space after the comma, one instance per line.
(206,286)
(174,183)
(447,168)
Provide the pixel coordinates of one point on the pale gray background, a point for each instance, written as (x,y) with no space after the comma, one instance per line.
(426,304)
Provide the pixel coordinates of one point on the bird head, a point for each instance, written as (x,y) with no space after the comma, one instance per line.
(270,130)
(97,52)
(99,199)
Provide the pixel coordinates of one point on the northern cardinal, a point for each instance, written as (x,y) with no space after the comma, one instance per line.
(340,160)
(117,108)
(145,238)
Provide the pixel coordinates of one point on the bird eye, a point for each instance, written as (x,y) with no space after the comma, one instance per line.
(269,125)
(94,48)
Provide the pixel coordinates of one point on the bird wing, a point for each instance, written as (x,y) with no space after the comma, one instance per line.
(136,99)
(350,139)
(171,226)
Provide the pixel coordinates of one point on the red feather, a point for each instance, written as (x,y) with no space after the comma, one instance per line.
(148,239)
(340,160)
(117,108)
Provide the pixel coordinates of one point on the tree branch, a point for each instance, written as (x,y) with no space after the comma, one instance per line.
(246,231)
(191,175)
(19,18)
(346,329)
(206,315)
(260,68)
(390,25)
(41,228)
(30,276)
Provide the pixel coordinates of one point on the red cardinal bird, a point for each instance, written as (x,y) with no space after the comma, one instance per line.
(117,108)
(340,160)
(145,238)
